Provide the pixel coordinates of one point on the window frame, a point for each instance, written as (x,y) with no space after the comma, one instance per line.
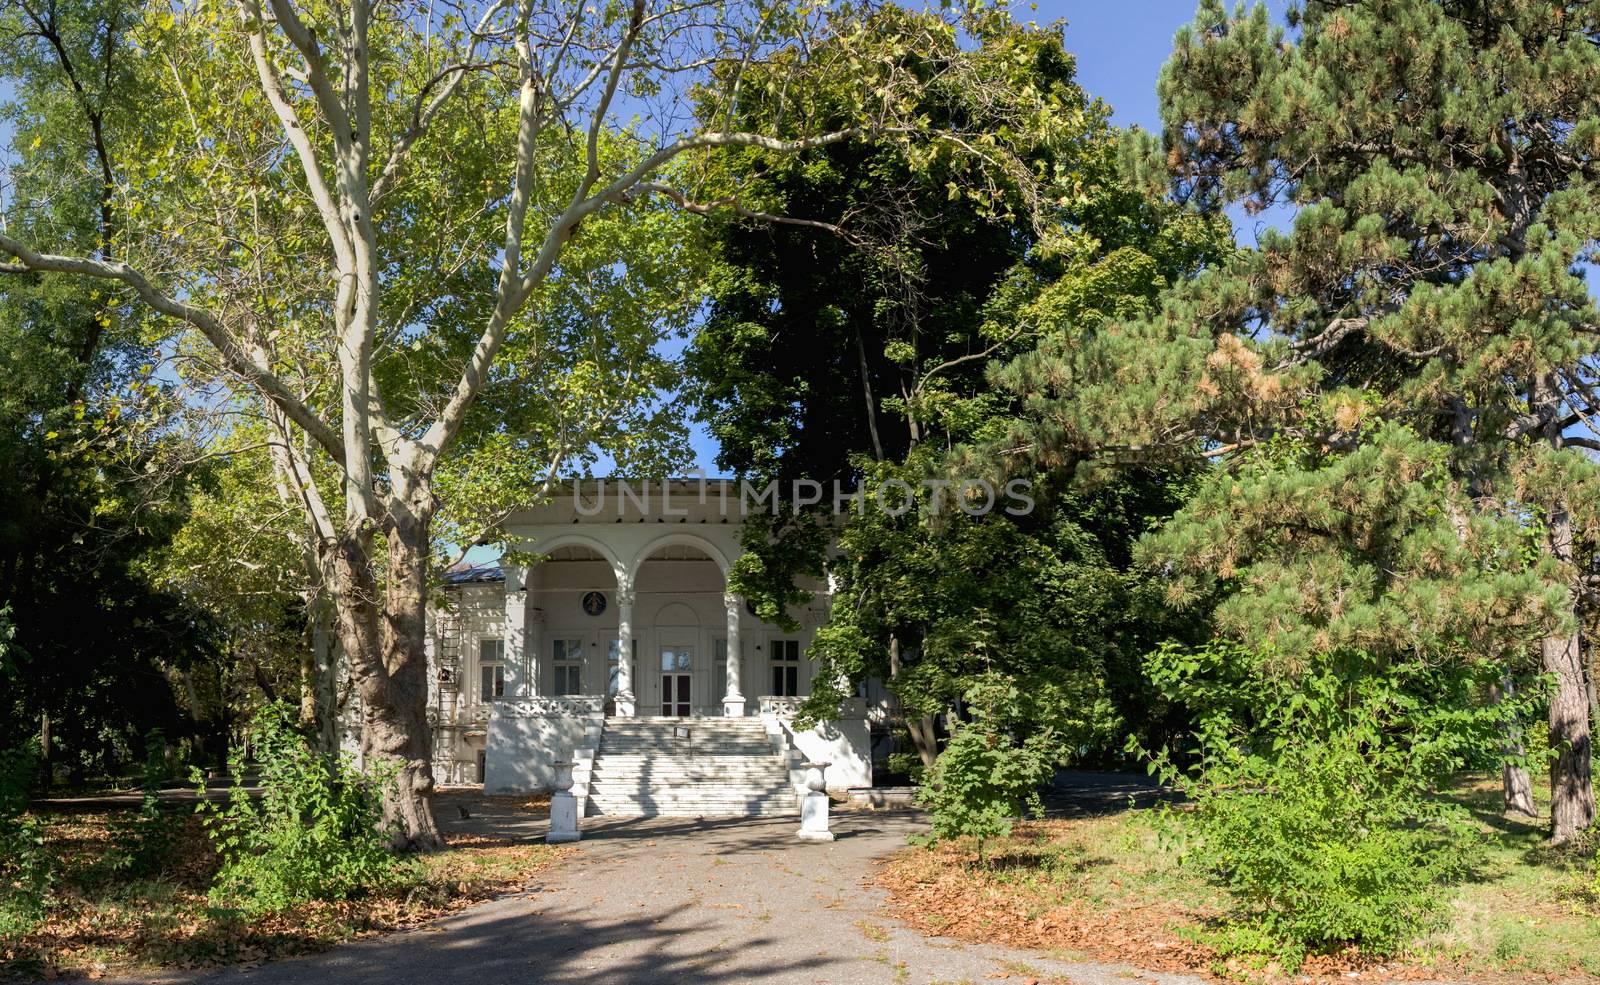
(566,665)
(491,670)
(784,671)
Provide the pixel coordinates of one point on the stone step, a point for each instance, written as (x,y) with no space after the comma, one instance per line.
(664,741)
(644,805)
(762,750)
(765,761)
(695,725)
(626,793)
(657,781)
(693,813)
(719,796)
(712,769)
(762,753)
(632,787)
(724,767)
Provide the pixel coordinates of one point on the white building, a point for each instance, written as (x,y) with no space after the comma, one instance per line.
(698,720)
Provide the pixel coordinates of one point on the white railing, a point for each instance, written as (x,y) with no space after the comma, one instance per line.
(788,707)
(568,705)
(783,707)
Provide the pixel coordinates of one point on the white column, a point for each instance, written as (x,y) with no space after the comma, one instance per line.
(533,655)
(733,701)
(626,701)
(515,632)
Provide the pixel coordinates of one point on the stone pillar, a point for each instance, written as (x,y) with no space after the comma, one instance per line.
(517,685)
(626,702)
(516,635)
(733,701)
(534,651)
(813,805)
(563,806)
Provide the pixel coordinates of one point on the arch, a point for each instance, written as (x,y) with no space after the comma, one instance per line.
(699,543)
(618,569)
(676,614)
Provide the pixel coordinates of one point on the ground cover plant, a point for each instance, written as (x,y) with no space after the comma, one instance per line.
(1112,888)
(314,832)
(98,922)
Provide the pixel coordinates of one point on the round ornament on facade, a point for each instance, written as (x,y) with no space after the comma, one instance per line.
(594,603)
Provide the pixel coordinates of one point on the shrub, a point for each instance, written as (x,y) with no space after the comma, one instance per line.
(986,778)
(314,834)
(1317,811)
(27,868)
(142,841)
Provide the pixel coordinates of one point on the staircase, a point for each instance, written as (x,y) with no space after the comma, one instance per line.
(725,767)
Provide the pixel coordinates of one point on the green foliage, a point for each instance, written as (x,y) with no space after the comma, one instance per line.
(1314,804)
(314,834)
(1051,601)
(27,868)
(94,477)
(142,841)
(989,774)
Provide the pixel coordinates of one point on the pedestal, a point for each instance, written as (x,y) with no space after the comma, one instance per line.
(814,805)
(563,807)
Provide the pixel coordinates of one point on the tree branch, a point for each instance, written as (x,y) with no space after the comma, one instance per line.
(233,354)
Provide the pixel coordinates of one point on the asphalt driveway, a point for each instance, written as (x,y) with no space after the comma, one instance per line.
(650,902)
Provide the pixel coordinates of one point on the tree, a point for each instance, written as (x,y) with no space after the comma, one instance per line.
(94,474)
(242,557)
(1440,161)
(339,141)
(851,347)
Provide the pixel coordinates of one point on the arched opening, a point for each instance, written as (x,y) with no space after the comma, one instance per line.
(573,636)
(681,624)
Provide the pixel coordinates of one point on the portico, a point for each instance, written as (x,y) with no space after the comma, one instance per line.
(611,607)
(660,597)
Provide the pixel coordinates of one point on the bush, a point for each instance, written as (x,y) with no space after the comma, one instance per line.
(1318,815)
(142,841)
(985,778)
(314,834)
(27,868)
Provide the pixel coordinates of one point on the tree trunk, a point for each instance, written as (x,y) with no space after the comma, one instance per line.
(319,679)
(921,731)
(389,669)
(1516,785)
(405,657)
(46,767)
(924,738)
(1572,804)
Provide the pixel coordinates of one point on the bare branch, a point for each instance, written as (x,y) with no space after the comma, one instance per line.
(732,205)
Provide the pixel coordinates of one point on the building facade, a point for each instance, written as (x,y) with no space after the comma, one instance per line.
(528,654)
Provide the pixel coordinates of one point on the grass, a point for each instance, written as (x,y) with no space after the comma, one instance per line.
(1111,888)
(99,922)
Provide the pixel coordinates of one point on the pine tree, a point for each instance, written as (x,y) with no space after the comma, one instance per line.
(1440,162)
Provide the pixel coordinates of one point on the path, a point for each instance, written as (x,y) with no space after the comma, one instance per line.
(654,902)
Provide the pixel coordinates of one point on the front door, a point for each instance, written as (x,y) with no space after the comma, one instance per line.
(677,667)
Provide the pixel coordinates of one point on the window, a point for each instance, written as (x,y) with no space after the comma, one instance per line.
(612,649)
(786,668)
(491,669)
(569,666)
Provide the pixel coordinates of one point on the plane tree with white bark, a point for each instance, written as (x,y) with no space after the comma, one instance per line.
(368,214)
